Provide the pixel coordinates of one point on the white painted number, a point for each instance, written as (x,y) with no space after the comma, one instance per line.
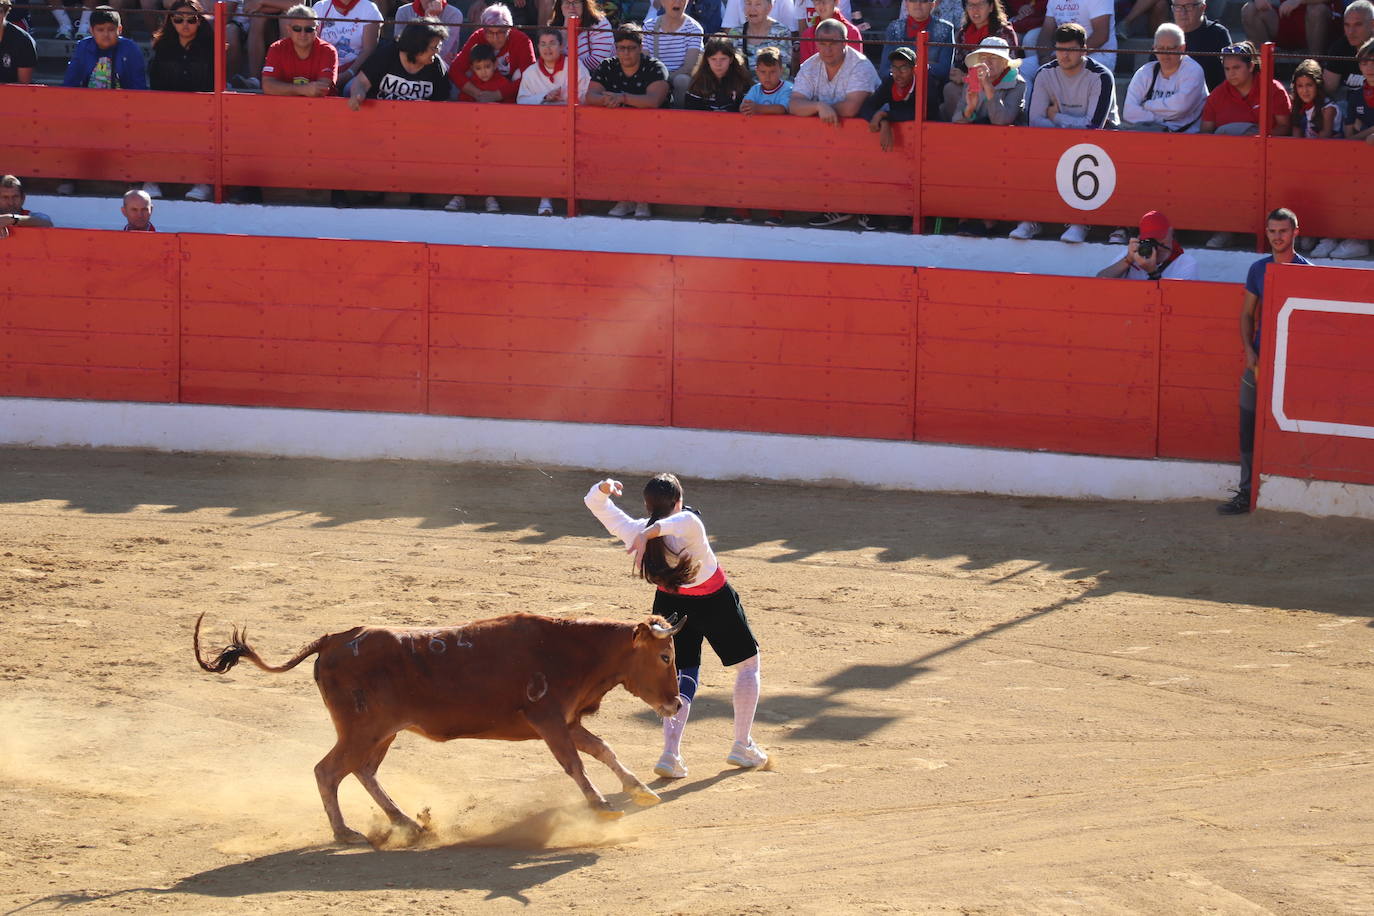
(1085,176)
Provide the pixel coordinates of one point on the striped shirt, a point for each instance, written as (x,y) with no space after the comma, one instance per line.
(672,48)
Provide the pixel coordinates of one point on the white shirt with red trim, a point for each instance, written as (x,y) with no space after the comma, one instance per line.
(683,533)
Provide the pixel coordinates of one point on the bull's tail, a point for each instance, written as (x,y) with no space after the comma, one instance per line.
(238,648)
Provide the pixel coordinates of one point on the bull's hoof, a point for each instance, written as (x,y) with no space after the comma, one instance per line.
(644,796)
(609,814)
(348,837)
(406,832)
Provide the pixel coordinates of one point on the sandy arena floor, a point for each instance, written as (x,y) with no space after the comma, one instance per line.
(974,704)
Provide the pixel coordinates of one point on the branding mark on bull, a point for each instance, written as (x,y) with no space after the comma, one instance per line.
(354,644)
(537,687)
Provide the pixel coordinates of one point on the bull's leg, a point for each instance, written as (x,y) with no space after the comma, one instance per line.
(593,746)
(556,735)
(344,758)
(367,775)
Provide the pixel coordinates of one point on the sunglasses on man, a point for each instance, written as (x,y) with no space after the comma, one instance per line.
(302,28)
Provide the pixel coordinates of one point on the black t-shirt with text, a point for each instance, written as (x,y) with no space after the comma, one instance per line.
(391,82)
(613,79)
(17,50)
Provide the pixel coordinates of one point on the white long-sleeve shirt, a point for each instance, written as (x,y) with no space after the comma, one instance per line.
(1176,102)
(536,84)
(683,533)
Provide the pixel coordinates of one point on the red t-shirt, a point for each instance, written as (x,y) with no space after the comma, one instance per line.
(808,36)
(511,61)
(1225,105)
(497,83)
(283,63)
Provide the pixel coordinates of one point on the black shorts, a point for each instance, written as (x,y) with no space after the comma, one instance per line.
(718,618)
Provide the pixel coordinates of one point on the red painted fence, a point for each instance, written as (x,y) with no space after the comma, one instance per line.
(1105,367)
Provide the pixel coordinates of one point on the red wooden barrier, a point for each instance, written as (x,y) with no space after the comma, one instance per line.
(88,315)
(1199,370)
(1056,363)
(820,349)
(303,323)
(1318,185)
(777,162)
(550,335)
(111,135)
(1318,334)
(457,148)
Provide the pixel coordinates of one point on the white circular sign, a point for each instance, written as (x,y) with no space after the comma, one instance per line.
(1086,176)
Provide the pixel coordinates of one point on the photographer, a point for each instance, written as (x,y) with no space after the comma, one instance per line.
(1153,254)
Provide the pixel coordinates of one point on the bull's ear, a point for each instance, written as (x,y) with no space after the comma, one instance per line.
(642,632)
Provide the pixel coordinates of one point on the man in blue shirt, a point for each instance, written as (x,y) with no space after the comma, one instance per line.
(1281,230)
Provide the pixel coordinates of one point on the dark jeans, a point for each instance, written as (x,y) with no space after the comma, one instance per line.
(1247,429)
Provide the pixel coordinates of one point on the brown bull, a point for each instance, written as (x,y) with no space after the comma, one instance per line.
(511,678)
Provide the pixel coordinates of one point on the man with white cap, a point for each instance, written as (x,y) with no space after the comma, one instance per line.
(995,91)
(1153,254)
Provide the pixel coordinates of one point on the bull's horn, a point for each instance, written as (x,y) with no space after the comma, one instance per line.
(665,632)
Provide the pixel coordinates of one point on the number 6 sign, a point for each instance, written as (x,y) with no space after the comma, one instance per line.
(1086,176)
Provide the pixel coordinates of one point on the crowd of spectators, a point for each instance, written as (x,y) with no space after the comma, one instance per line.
(805,58)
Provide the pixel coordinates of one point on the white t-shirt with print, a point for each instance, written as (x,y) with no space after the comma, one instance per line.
(347,36)
(856,74)
(1084,12)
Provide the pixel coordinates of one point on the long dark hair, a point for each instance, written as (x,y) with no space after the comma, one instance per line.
(661,496)
(591,14)
(997,17)
(705,84)
(166,36)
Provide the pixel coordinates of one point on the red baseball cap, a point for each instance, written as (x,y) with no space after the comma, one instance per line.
(1154,225)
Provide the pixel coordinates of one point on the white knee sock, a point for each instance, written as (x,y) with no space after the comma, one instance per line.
(85,22)
(746,697)
(64,22)
(672,729)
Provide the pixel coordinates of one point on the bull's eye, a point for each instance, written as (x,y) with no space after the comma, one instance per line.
(665,658)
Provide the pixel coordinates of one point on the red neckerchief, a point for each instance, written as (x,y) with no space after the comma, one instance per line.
(974,36)
(557,68)
(899,94)
(343,9)
(914,28)
(419,7)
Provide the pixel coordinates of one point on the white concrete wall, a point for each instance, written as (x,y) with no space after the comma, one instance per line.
(1316,497)
(697,453)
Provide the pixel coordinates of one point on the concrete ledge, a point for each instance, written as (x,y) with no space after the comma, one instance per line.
(1316,497)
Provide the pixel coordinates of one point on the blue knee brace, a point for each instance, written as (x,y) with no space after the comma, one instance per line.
(687,683)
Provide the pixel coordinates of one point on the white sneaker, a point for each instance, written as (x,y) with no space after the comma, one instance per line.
(545,207)
(642,211)
(66,188)
(83,33)
(670,766)
(1075,233)
(1323,248)
(456,203)
(1025,230)
(493,205)
(746,755)
(201,192)
(152,189)
(1220,240)
(1118,237)
(1351,248)
(65,34)
(622,209)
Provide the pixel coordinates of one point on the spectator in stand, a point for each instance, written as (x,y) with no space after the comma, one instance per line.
(675,40)
(760,30)
(832,85)
(595,34)
(1157,11)
(138,212)
(1167,94)
(408,69)
(525,14)
(1203,37)
(301,64)
(997,91)
(106,60)
(352,27)
(784,11)
(12,212)
(513,50)
(827,10)
(906,30)
(982,18)
(65,30)
(441,11)
(631,80)
(1095,16)
(1359,105)
(485,84)
(261,26)
(1293,25)
(1073,90)
(1315,117)
(720,80)
(895,99)
(18,50)
(183,61)
(1153,254)
(1280,230)
(1340,68)
(546,83)
(1026,22)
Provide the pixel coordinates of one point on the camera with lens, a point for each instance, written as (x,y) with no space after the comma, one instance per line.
(1146,248)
